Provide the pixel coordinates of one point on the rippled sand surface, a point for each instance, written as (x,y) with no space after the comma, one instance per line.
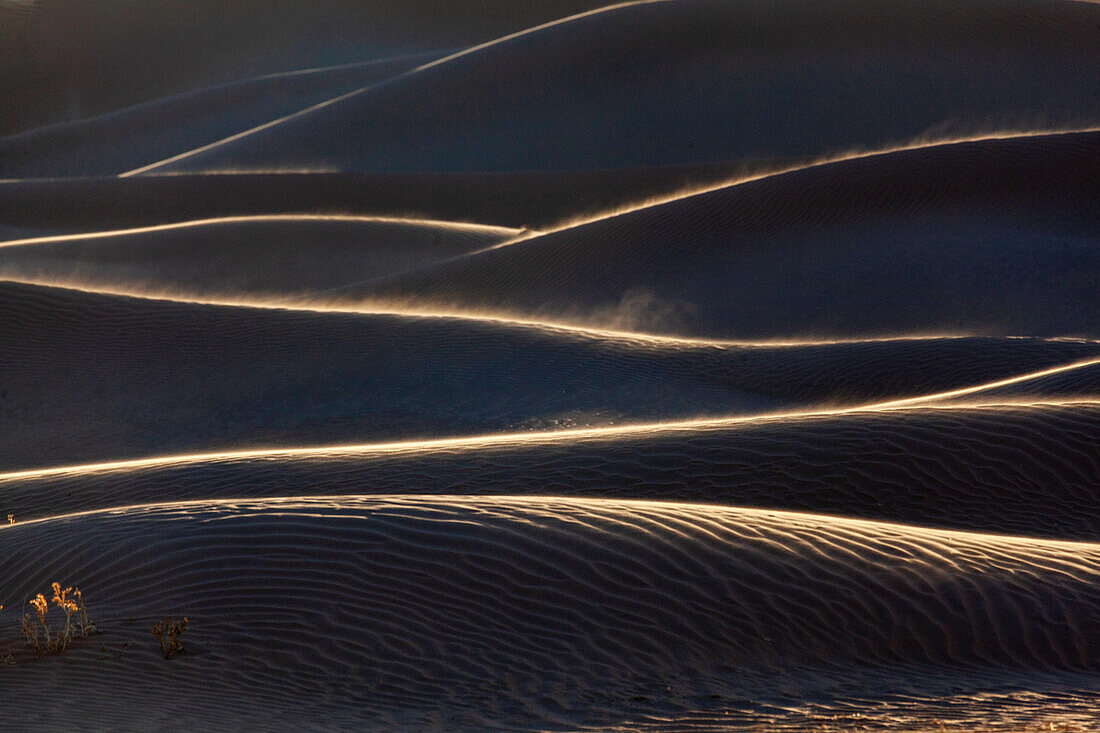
(676,365)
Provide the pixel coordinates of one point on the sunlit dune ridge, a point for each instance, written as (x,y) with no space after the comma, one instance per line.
(361,90)
(1026,470)
(921,142)
(315,304)
(358,296)
(736,49)
(579,594)
(534,437)
(239,219)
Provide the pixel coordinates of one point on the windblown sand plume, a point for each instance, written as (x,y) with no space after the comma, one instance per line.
(669,365)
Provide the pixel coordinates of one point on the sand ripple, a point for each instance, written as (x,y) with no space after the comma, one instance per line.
(416,605)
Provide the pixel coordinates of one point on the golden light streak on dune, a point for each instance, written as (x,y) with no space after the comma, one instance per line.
(361,90)
(929,402)
(83,236)
(937,538)
(919,143)
(305,304)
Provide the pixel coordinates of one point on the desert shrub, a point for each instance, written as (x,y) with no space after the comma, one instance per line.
(168,631)
(36,627)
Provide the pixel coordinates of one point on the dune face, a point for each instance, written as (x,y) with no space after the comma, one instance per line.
(656,83)
(131,52)
(263,377)
(583,603)
(1028,470)
(670,365)
(967,230)
(305,255)
(158,129)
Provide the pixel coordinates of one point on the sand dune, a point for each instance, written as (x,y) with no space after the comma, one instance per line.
(159,129)
(189,378)
(954,238)
(1025,470)
(525,199)
(132,52)
(672,365)
(299,254)
(613,89)
(590,606)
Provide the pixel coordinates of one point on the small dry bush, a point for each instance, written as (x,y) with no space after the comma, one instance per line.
(168,631)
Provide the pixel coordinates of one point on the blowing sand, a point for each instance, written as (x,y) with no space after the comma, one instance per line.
(674,365)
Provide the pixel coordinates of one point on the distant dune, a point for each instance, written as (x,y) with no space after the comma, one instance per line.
(300,255)
(1000,468)
(674,365)
(691,81)
(159,129)
(184,377)
(951,237)
(133,51)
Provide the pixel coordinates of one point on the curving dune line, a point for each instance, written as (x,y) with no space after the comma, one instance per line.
(188,378)
(132,231)
(1008,469)
(930,143)
(305,112)
(278,256)
(529,199)
(722,91)
(400,610)
(956,238)
(111,143)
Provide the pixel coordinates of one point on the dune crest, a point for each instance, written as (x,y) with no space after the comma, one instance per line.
(666,365)
(682,593)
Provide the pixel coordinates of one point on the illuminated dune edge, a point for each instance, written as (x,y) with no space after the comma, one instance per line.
(672,365)
(718,93)
(599,610)
(1028,470)
(237,377)
(944,238)
(301,254)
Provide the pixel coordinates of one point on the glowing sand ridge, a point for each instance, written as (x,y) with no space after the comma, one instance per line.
(357,92)
(195,223)
(854,525)
(760,412)
(928,402)
(305,304)
(919,143)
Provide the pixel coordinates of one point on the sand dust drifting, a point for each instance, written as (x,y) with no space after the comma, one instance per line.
(677,365)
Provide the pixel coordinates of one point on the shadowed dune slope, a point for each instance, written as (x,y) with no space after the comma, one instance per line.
(401,612)
(992,236)
(62,60)
(670,365)
(682,81)
(524,199)
(117,142)
(171,377)
(272,256)
(1026,470)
